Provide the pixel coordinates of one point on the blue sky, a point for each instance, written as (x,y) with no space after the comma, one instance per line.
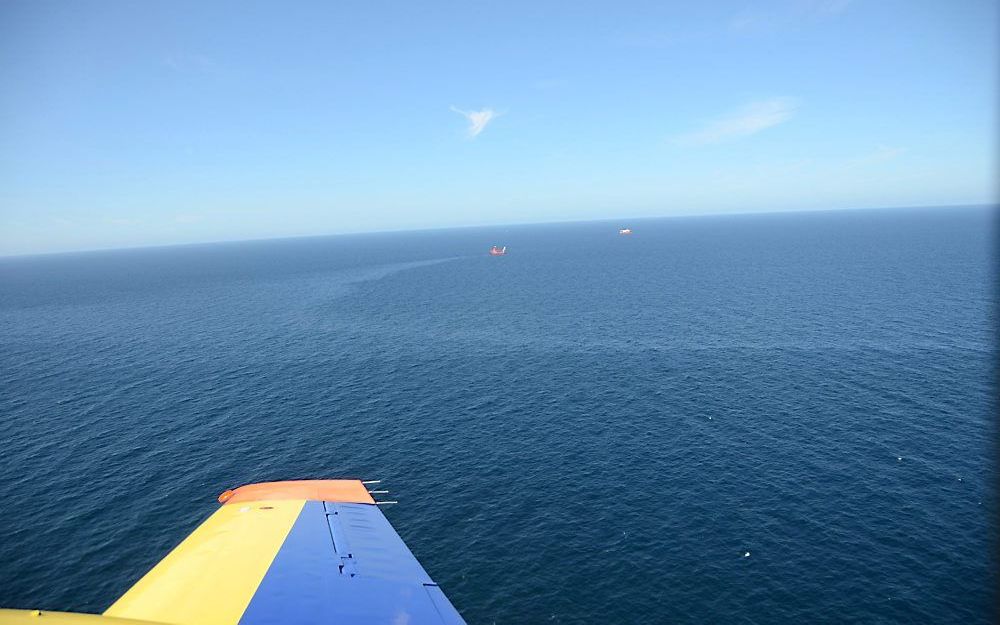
(144,123)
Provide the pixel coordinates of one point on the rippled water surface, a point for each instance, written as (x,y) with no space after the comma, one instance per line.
(592,429)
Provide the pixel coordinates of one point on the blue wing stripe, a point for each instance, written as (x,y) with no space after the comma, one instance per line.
(344,563)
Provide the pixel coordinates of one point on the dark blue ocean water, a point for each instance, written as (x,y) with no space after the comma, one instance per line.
(592,429)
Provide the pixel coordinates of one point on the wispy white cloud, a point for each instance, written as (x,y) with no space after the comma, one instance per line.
(823,7)
(122,221)
(748,120)
(478,120)
(886,152)
(880,154)
(750,23)
(792,14)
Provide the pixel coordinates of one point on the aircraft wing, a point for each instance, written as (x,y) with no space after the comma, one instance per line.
(305,552)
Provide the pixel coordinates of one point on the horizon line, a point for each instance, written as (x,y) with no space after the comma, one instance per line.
(995,204)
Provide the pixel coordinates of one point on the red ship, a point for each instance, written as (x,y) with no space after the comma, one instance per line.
(496,250)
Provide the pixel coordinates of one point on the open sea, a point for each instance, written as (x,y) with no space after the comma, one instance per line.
(592,429)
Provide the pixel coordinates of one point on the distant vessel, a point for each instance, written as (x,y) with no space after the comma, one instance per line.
(496,250)
(625,231)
